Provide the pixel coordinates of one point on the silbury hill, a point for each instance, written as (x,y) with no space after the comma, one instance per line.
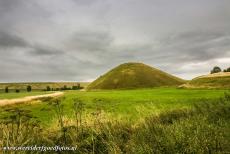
(134,75)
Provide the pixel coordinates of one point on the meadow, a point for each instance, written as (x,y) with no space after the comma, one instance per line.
(158,120)
(129,105)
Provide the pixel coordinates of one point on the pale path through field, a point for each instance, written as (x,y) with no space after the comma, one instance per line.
(28,98)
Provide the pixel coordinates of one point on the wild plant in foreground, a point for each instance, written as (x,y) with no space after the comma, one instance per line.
(78,107)
(60,115)
(203,129)
(19,129)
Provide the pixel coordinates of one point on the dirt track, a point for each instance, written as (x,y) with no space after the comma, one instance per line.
(28,98)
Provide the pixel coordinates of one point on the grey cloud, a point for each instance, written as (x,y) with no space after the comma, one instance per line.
(11,40)
(81,39)
(91,40)
(85,2)
(8,40)
(197,45)
(40,50)
(197,36)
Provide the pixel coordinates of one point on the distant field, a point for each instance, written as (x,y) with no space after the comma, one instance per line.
(128,105)
(21,94)
(40,85)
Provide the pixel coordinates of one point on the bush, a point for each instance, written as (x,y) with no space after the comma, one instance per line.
(17,91)
(6,90)
(48,88)
(29,88)
(65,88)
(227,70)
(77,87)
(216,69)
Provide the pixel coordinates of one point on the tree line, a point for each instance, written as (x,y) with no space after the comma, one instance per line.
(77,87)
(48,88)
(217,69)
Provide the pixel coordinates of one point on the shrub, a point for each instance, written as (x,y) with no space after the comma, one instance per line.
(227,70)
(17,91)
(77,87)
(29,88)
(65,88)
(6,90)
(48,88)
(216,69)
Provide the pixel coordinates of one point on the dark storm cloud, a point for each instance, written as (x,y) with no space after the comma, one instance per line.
(39,50)
(197,45)
(8,41)
(11,40)
(81,39)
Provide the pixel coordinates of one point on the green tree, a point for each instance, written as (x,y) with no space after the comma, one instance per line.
(74,88)
(216,69)
(29,88)
(228,69)
(48,88)
(79,86)
(17,91)
(6,90)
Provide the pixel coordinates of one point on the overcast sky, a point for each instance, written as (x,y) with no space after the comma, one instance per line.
(78,40)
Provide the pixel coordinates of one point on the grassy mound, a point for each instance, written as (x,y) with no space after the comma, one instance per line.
(216,80)
(134,75)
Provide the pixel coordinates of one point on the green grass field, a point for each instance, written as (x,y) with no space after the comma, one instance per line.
(129,105)
(160,120)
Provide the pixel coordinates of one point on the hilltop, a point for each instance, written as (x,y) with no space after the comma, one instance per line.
(134,75)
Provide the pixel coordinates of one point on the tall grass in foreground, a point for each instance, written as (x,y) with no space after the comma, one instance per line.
(203,129)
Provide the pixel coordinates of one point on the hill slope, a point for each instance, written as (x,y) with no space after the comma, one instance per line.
(134,75)
(216,80)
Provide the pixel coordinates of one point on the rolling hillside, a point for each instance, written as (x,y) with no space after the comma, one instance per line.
(216,80)
(134,75)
